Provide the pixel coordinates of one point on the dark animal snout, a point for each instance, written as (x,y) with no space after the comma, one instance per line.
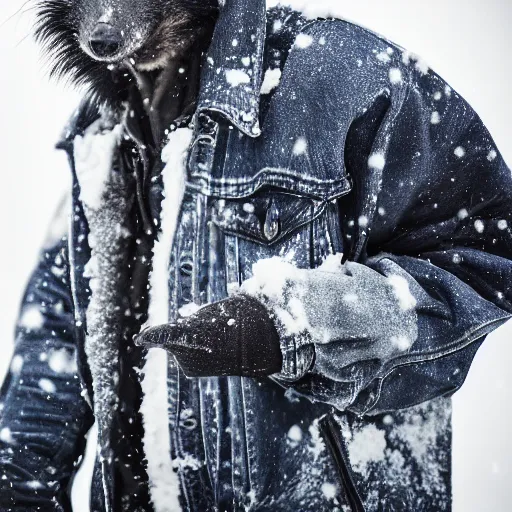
(105,40)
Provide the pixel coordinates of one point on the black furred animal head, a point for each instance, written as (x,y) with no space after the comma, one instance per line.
(90,41)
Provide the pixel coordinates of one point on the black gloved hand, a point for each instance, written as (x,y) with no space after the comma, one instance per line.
(233,337)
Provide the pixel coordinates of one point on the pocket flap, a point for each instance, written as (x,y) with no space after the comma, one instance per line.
(226,164)
(266,218)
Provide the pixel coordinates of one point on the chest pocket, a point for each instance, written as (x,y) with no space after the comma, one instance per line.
(262,189)
(267,217)
(225,163)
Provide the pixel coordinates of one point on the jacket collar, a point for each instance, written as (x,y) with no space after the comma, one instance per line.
(232,73)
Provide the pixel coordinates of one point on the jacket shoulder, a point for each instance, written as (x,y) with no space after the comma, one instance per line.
(87,112)
(351,60)
(354,53)
(342,66)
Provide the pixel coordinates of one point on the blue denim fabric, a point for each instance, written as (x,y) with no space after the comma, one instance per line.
(381,183)
(43,417)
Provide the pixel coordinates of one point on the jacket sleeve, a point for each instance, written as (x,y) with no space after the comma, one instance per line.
(432,202)
(43,418)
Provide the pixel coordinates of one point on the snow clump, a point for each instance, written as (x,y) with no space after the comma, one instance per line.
(329,490)
(62,361)
(368,445)
(459,152)
(363,221)
(271,80)
(395,76)
(285,289)
(188,309)
(383,57)
(300,147)
(377,161)
(236,77)
(317,444)
(303,41)
(94,153)
(295,435)
(420,64)
(47,386)
(402,292)
(35,485)
(463,214)
(16,364)
(32,318)
(6,435)
(435,118)
(272,278)
(402,342)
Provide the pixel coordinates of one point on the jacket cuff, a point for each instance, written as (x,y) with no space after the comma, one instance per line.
(280,286)
(298,357)
(298,349)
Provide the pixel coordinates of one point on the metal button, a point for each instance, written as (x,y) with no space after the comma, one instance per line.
(271,226)
(186,264)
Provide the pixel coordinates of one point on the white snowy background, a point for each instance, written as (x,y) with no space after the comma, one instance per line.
(468,42)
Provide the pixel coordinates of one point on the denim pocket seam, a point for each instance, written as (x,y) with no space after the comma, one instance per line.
(237,188)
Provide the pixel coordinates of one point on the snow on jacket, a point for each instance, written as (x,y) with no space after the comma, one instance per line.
(317,138)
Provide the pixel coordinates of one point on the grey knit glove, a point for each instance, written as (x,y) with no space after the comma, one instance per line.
(335,315)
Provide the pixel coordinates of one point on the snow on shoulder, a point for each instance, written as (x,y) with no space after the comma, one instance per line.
(94,155)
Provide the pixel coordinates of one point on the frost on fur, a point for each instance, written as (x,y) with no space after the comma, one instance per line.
(106,197)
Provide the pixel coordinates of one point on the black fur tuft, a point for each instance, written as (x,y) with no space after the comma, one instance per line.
(58,30)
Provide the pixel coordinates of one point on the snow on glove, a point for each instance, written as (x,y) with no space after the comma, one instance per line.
(233,337)
(343,314)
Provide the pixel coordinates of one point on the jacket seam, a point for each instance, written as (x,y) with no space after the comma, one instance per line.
(457,346)
(277,178)
(273,171)
(453,347)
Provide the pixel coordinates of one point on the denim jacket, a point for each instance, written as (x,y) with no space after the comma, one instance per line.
(397,172)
